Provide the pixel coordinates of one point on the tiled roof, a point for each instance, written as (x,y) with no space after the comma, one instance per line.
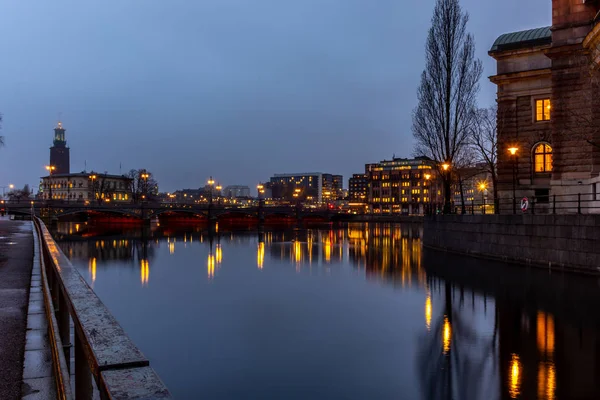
(528,38)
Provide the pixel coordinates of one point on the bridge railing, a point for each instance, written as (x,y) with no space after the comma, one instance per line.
(104,354)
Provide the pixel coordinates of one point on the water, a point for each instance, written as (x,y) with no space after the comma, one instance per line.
(350,312)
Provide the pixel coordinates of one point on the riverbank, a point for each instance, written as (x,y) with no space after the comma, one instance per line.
(556,242)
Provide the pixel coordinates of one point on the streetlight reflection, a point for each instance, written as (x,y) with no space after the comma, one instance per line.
(144,271)
(260,255)
(447,335)
(210,266)
(514,376)
(428,310)
(92,269)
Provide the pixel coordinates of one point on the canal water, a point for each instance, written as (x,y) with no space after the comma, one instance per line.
(353,311)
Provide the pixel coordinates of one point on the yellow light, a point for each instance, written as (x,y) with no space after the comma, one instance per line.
(513,150)
(445,166)
(547,380)
(172,248)
(259,187)
(428,311)
(297,252)
(219,254)
(218,187)
(297,190)
(427,176)
(545,333)
(11,186)
(210,266)
(260,255)
(482,186)
(514,383)
(144,271)
(447,335)
(92,269)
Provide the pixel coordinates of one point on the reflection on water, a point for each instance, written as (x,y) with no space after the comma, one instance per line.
(338,313)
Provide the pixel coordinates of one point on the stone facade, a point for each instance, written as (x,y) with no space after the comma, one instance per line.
(554,67)
(562,242)
(86,188)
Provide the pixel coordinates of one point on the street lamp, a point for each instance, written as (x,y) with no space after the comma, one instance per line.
(93,179)
(211,182)
(218,188)
(145,175)
(427,179)
(446,168)
(50,168)
(513,153)
(482,188)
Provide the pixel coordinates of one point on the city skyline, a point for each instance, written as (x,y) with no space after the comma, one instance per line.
(229,90)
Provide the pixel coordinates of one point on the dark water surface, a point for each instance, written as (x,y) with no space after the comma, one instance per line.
(339,312)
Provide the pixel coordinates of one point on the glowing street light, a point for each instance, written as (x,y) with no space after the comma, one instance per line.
(11,186)
(482,186)
(50,169)
(513,153)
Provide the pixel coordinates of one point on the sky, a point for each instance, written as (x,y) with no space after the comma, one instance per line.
(234,89)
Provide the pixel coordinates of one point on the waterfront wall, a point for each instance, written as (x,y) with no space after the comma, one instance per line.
(561,242)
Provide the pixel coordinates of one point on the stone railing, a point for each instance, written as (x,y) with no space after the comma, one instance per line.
(105,357)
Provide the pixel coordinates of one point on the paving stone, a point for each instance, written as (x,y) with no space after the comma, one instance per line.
(36,340)
(37,364)
(37,321)
(38,389)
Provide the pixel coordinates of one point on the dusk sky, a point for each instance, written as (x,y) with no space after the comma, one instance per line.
(236,89)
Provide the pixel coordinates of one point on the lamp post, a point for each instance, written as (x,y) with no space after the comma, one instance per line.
(446,168)
(427,178)
(482,188)
(93,179)
(50,168)
(211,183)
(513,153)
(144,175)
(218,188)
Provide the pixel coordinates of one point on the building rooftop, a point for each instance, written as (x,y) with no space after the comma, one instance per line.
(523,39)
(87,174)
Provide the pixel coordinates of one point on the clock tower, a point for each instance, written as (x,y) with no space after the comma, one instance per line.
(59,153)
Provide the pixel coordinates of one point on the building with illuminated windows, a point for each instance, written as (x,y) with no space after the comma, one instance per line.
(307,187)
(548,82)
(358,188)
(86,187)
(403,186)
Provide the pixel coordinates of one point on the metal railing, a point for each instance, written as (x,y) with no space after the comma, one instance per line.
(577,203)
(104,354)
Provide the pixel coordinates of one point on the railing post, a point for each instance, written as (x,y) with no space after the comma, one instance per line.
(553,204)
(83,375)
(533,205)
(578,203)
(473,205)
(63,320)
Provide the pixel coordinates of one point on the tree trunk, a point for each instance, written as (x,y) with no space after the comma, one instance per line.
(447,203)
(462,196)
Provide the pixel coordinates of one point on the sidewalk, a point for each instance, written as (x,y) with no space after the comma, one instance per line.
(16,260)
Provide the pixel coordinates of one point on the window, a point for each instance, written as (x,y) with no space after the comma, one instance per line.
(542,110)
(542,154)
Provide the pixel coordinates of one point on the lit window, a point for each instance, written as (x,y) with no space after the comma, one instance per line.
(542,154)
(542,110)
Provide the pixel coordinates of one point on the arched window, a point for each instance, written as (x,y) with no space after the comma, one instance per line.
(542,157)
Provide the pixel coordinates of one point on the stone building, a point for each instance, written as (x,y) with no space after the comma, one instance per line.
(86,187)
(549,108)
(60,158)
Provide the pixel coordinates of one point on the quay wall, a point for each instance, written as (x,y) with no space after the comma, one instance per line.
(557,242)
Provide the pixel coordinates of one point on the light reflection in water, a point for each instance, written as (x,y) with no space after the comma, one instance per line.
(515,375)
(545,333)
(92,269)
(447,335)
(218,254)
(428,310)
(546,381)
(260,255)
(144,271)
(210,266)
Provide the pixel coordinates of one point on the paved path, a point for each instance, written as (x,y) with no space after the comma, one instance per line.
(16,260)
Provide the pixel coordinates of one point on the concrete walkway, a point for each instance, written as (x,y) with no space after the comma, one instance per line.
(16,260)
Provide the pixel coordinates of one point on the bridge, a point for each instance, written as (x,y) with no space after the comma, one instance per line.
(149,211)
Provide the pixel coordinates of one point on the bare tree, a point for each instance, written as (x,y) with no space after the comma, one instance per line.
(142,184)
(448,89)
(484,141)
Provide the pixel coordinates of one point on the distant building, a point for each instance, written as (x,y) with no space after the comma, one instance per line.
(311,186)
(403,186)
(474,185)
(235,191)
(358,188)
(59,153)
(86,186)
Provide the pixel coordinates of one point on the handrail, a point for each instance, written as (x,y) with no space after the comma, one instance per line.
(59,363)
(102,348)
